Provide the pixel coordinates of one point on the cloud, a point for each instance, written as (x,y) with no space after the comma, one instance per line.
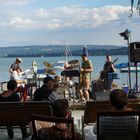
(73,23)
(80,17)
(19,22)
(15,2)
(65,17)
(71,17)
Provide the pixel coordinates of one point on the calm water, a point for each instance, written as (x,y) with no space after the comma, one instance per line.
(98,62)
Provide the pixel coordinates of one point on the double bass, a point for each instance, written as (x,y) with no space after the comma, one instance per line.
(103,73)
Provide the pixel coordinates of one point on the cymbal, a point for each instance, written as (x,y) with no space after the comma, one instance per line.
(50,71)
(47,64)
(74,63)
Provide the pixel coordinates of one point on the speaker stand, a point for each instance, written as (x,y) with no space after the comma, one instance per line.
(132,92)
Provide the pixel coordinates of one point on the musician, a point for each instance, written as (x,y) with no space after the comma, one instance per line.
(14,67)
(85,77)
(108,68)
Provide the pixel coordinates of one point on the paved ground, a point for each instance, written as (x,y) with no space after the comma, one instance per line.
(17,135)
(75,113)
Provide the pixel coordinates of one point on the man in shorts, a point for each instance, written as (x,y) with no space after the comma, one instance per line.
(85,77)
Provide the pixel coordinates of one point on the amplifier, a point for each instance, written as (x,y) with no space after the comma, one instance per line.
(112,75)
(134,52)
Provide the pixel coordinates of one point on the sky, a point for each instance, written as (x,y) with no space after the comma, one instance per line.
(55,22)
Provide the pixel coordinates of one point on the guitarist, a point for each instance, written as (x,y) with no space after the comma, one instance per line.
(108,68)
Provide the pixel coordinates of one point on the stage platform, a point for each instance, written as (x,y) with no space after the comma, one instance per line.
(99,96)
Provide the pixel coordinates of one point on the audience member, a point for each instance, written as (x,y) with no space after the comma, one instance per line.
(119,102)
(60,108)
(11,95)
(57,82)
(46,92)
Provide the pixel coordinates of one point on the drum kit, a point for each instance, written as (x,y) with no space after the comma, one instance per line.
(64,86)
(49,68)
(73,64)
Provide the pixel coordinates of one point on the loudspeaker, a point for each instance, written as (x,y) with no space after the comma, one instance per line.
(134,52)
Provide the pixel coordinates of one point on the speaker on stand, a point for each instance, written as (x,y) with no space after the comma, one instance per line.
(134,52)
(135,58)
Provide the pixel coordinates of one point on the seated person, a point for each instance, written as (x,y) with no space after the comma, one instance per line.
(119,102)
(60,108)
(57,81)
(20,83)
(15,66)
(46,92)
(11,95)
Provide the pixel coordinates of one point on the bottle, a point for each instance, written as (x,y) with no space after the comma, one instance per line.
(125,88)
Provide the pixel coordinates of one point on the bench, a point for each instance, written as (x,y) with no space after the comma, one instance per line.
(92,107)
(19,113)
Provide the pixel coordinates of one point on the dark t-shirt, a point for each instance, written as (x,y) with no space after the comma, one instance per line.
(108,67)
(43,94)
(12,97)
(15,66)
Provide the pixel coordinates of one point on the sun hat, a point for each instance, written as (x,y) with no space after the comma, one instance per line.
(19,59)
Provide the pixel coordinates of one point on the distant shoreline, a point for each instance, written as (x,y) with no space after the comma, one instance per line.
(13,56)
(59,51)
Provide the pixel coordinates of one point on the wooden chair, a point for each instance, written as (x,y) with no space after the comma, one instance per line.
(118,125)
(51,132)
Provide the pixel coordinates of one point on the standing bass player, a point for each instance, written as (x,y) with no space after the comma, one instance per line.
(108,68)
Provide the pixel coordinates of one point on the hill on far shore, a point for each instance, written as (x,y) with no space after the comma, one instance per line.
(59,50)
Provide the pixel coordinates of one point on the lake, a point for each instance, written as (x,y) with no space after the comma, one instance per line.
(98,62)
